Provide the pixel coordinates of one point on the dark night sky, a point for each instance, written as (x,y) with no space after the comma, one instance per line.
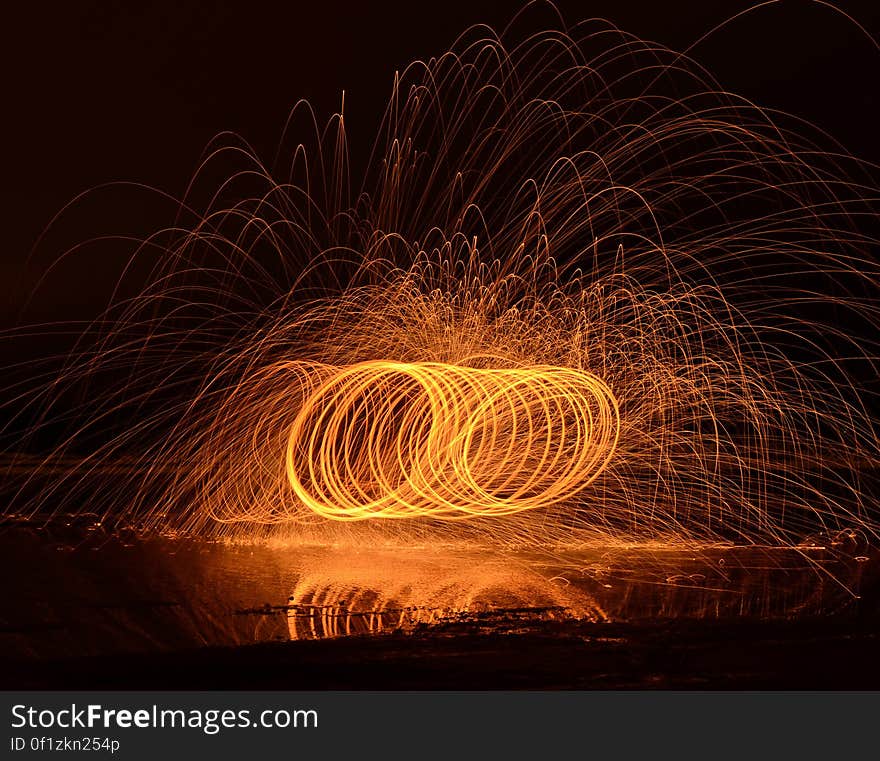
(101,91)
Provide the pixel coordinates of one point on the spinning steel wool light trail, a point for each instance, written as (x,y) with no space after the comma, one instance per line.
(391,440)
(582,294)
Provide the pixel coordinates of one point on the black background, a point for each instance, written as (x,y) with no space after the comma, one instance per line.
(102,91)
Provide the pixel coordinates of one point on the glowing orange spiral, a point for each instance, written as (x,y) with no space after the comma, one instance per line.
(386,439)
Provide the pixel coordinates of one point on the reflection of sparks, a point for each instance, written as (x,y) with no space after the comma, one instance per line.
(580,294)
(380,592)
(346,592)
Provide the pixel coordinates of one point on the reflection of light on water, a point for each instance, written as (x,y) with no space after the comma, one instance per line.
(371,593)
(338,593)
(91,592)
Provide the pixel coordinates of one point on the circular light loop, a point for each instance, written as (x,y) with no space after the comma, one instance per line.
(387,439)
